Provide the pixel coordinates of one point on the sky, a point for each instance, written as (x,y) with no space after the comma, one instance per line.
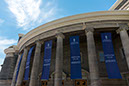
(21,16)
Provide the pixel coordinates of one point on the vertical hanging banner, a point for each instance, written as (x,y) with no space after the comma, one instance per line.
(18,67)
(75,58)
(47,60)
(27,68)
(110,59)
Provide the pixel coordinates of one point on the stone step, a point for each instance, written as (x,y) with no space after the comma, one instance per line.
(114,82)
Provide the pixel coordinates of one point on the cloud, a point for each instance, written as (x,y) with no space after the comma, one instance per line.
(32,13)
(5,43)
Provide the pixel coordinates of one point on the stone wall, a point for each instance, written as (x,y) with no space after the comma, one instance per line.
(7,71)
(8,68)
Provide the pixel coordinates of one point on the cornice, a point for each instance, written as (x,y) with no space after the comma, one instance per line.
(118,4)
(75,19)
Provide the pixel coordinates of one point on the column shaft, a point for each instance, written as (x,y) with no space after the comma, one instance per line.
(22,68)
(125,43)
(59,62)
(15,71)
(35,68)
(92,58)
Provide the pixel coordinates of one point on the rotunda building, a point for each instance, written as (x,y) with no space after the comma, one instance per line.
(90,49)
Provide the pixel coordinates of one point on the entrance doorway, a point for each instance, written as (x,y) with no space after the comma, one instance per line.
(24,83)
(62,82)
(80,82)
(44,83)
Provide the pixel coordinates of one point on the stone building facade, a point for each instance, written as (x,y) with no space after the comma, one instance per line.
(88,27)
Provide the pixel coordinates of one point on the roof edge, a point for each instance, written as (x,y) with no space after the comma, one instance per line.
(117,4)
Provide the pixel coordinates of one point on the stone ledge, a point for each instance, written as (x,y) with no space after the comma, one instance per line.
(5,82)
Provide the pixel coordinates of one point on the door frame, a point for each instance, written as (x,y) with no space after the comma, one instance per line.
(81,80)
(44,81)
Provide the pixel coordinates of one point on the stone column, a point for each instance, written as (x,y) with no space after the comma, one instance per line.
(22,68)
(15,71)
(92,58)
(59,60)
(125,40)
(35,67)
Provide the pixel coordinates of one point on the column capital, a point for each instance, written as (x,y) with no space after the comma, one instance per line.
(89,29)
(60,35)
(83,25)
(39,41)
(26,47)
(122,27)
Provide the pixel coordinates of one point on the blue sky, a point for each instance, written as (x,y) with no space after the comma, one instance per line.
(21,16)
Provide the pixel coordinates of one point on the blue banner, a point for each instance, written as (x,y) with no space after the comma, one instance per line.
(27,69)
(75,58)
(110,59)
(47,60)
(18,67)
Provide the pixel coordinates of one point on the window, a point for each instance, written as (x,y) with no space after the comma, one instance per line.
(101,56)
